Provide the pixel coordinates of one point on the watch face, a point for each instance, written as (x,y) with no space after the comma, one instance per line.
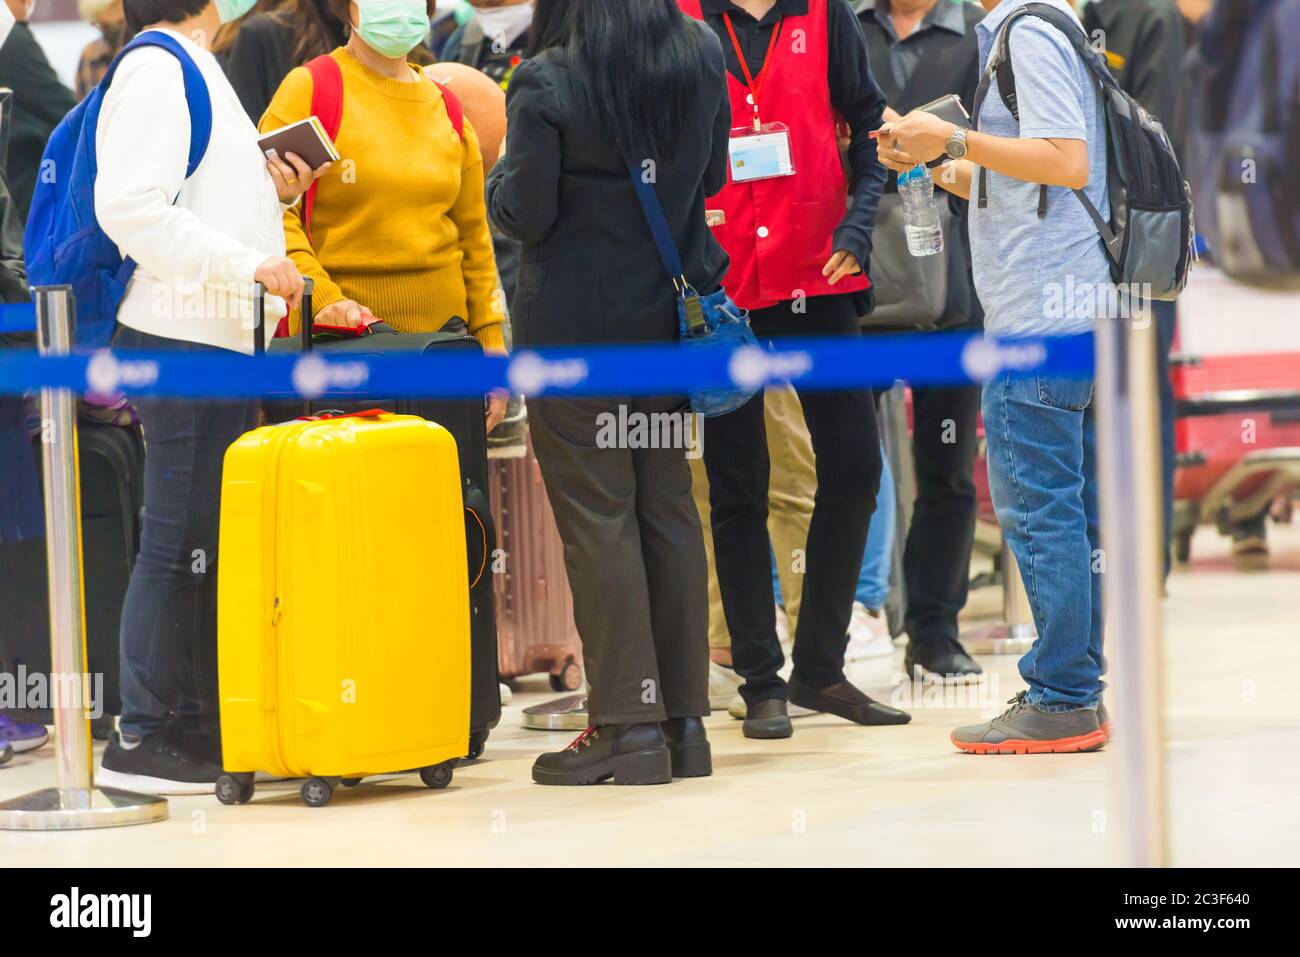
(956,146)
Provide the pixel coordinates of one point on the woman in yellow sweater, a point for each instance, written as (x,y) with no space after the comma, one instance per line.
(399,231)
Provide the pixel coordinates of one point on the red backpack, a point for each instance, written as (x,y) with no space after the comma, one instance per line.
(327,106)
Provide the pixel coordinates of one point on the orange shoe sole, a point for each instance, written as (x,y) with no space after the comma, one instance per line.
(1084,742)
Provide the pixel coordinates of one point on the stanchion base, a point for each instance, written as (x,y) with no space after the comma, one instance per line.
(562,714)
(52,809)
(999,639)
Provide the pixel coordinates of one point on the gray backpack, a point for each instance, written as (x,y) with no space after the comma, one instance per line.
(1148,231)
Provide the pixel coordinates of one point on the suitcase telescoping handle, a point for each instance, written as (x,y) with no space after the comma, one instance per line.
(259,316)
(307,326)
(259,319)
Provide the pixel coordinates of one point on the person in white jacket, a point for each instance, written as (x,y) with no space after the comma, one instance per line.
(200,244)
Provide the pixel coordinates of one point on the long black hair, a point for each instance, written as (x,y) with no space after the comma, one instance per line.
(637,64)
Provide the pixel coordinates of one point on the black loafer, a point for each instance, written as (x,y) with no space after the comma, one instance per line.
(767,719)
(688,745)
(846,701)
(627,753)
(944,661)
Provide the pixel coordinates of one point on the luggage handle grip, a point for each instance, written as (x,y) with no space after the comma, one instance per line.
(339,414)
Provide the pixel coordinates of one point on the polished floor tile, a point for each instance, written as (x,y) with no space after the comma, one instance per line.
(833,794)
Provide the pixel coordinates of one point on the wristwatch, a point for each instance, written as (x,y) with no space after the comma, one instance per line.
(956,145)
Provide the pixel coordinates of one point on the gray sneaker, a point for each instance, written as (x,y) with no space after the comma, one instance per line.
(1024,729)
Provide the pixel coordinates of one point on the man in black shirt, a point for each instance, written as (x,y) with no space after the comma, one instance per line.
(40,102)
(922,50)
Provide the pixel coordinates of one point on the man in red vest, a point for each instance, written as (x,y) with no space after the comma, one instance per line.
(799,242)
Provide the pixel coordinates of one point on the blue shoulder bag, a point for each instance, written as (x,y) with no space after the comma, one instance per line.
(705,322)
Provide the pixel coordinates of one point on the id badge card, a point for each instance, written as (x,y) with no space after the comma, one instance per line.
(761,154)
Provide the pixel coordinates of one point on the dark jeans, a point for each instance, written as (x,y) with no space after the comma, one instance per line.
(1166,314)
(169,620)
(936,560)
(634,552)
(846,443)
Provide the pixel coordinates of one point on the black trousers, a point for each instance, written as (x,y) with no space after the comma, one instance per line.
(634,553)
(936,558)
(846,443)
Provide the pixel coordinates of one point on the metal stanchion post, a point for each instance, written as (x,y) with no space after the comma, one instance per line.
(897,442)
(1129,469)
(75,803)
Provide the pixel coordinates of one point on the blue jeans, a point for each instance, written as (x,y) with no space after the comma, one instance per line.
(878,560)
(1042,454)
(169,619)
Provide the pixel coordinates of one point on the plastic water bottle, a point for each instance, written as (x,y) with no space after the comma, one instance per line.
(920,214)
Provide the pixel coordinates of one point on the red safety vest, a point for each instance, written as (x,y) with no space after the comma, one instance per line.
(778,231)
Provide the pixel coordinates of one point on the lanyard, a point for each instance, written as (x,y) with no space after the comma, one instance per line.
(755,86)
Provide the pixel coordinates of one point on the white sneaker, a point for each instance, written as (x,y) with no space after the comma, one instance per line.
(723,682)
(868,636)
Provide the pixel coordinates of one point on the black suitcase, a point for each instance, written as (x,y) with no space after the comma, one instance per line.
(466,420)
(112,495)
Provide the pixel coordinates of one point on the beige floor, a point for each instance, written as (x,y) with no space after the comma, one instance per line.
(832,795)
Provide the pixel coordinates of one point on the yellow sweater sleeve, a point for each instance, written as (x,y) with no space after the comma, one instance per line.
(479,266)
(291,103)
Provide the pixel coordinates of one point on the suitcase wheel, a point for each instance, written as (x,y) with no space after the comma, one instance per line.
(569,678)
(477,745)
(316,792)
(437,776)
(350,782)
(235,788)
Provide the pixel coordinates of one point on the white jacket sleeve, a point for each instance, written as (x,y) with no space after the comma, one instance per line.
(142,143)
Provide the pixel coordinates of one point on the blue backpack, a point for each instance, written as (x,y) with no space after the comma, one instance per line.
(1244,139)
(64,243)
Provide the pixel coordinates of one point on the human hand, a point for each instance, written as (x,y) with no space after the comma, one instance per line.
(842,264)
(291,175)
(346,313)
(280,277)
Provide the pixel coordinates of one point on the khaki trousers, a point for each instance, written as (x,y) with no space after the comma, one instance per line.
(790,504)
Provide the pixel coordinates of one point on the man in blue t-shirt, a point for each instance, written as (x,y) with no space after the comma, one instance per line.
(1038,271)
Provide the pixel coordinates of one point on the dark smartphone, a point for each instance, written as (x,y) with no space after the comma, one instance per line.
(948,108)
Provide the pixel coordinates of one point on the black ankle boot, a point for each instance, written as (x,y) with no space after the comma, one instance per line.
(688,744)
(628,753)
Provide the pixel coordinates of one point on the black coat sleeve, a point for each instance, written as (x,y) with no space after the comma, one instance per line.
(859,100)
(1155,71)
(715,175)
(40,102)
(13,274)
(523,189)
(256,66)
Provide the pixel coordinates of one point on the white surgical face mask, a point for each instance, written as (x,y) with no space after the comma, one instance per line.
(6,22)
(505,25)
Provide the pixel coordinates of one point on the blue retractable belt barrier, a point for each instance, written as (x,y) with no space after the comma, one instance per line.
(18,317)
(826,363)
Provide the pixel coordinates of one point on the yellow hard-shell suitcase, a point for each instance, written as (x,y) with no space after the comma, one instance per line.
(343,616)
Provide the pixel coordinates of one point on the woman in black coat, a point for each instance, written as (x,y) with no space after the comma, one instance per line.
(610,82)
